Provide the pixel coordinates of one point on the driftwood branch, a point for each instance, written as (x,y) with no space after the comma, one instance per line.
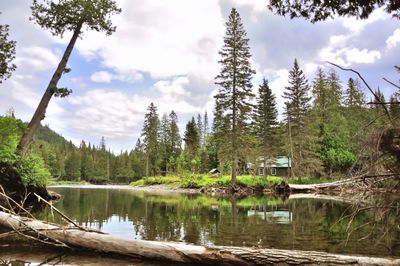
(391,83)
(367,85)
(183,253)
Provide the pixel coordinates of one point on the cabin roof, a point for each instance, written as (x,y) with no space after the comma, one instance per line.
(277,162)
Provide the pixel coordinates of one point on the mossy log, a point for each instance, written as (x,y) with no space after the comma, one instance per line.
(183,253)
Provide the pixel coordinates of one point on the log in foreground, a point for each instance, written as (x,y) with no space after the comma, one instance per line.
(183,253)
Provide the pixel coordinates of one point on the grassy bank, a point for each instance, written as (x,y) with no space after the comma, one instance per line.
(203,180)
(199,181)
(63,182)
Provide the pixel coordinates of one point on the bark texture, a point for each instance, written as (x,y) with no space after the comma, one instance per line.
(183,253)
(40,112)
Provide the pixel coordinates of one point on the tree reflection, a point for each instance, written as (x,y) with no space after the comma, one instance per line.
(306,224)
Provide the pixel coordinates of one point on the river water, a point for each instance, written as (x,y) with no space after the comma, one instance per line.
(264,221)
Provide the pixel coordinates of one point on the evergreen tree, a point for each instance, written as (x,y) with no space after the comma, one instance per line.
(138,160)
(72,166)
(164,149)
(334,92)
(102,144)
(394,108)
(377,109)
(174,141)
(334,138)
(297,107)
(200,129)
(192,142)
(205,128)
(150,139)
(265,122)
(232,103)
(354,97)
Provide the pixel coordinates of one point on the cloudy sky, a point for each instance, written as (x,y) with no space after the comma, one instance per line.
(166,52)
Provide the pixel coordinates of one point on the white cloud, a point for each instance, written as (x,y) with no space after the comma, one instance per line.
(117,114)
(357,25)
(339,52)
(37,59)
(157,37)
(173,88)
(393,39)
(101,76)
(257,7)
(362,56)
(332,55)
(107,77)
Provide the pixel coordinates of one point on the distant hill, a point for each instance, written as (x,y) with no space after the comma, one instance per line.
(45,133)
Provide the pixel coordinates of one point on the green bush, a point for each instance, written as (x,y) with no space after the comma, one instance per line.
(198,181)
(202,180)
(258,181)
(32,170)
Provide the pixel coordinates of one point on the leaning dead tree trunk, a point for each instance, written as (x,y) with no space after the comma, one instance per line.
(51,89)
(183,253)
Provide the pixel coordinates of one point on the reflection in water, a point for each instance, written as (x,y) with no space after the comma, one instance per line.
(253,221)
(277,217)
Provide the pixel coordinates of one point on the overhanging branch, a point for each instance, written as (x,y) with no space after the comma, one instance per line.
(367,85)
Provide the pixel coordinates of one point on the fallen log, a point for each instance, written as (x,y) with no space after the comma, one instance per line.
(183,253)
(337,185)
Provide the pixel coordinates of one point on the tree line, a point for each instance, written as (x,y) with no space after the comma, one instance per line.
(324,131)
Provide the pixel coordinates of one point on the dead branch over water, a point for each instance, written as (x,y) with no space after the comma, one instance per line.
(176,252)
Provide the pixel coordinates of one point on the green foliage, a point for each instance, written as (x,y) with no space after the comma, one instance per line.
(10,130)
(61,92)
(322,10)
(32,170)
(265,122)
(7,54)
(301,139)
(200,180)
(66,15)
(233,101)
(53,182)
(192,141)
(150,137)
(258,181)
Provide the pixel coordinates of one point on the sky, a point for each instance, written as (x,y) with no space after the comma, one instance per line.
(166,52)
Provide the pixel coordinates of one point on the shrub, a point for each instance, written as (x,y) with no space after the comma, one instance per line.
(32,170)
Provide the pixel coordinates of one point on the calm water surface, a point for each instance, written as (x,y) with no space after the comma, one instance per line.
(268,222)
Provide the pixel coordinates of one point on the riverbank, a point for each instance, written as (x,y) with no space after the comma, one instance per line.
(200,184)
(152,188)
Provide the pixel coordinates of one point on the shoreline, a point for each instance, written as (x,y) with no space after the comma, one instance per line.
(153,188)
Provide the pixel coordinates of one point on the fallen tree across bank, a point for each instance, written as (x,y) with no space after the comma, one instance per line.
(359,183)
(178,252)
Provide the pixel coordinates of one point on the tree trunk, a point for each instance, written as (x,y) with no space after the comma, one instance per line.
(40,112)
(183,253)
(234,170)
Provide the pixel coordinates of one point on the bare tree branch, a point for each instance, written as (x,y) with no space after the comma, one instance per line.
(391,83)
(367,85)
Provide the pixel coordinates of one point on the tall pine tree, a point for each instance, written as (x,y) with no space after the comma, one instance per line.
(265,122)
(232,103)
(150,139)
(174,141)
(297,108)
